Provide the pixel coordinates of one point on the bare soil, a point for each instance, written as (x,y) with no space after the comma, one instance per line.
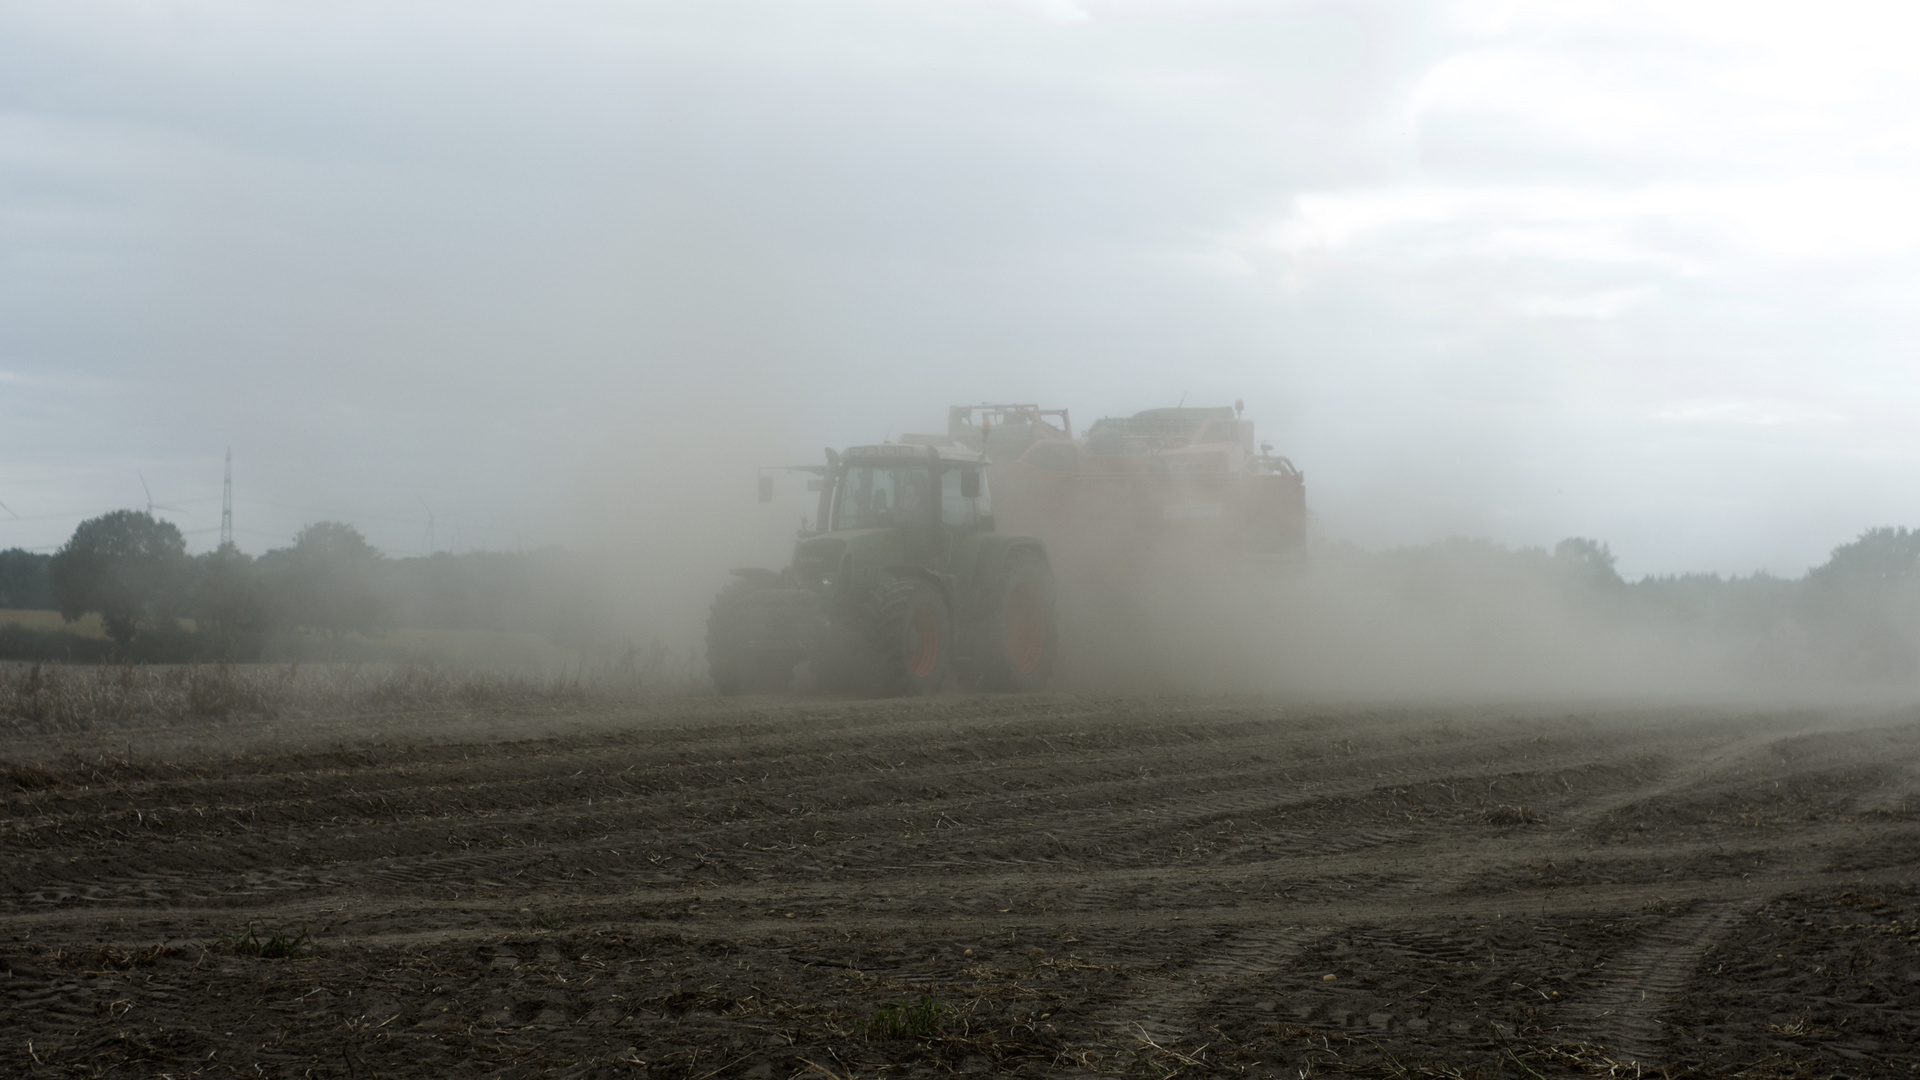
(976,885)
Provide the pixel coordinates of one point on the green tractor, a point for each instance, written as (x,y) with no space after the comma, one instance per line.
(903,589)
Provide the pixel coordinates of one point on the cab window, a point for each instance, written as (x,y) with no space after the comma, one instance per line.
(956,509)
(880,497)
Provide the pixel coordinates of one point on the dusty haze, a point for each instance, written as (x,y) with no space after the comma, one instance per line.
(1581,739)
(496,276)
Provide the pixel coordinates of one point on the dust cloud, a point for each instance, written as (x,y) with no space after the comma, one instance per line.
(672,508)
(1352,625)
(1472,620)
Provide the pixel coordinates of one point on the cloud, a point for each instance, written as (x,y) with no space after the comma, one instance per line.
(1601,305)
(1679,226)
(1749,413)
(1462,257)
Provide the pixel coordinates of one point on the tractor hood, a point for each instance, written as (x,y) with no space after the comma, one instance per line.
(847,557)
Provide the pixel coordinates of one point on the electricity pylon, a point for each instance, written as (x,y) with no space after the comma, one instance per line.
(226,504)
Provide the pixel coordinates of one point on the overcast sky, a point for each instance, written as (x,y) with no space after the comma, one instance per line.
(1642,272)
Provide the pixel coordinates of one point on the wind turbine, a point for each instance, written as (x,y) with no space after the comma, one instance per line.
(429,509)
(151,505)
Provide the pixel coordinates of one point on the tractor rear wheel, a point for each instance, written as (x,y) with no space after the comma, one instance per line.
(1020,627)
(913,637)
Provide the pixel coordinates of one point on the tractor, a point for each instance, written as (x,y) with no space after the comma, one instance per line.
(903,588)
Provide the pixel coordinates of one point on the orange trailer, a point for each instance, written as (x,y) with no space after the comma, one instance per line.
(1180,483)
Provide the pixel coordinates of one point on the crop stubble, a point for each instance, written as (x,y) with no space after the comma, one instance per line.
(1147,886)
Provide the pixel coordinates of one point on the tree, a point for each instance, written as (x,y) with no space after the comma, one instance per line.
(330,579)
(127,566)
(227,601)
(23,580)
(1865,603)
(1588,562)
(1879,558)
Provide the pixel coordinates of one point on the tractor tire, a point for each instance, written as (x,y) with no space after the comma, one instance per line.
(912,638)
(844,663)
(736,668)
(1020,627)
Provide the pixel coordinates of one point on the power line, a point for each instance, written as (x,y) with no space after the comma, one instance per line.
(83,514)
(329,513)
(51,517)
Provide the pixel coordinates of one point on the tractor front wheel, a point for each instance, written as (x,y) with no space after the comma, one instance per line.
(734,664)
(913,637)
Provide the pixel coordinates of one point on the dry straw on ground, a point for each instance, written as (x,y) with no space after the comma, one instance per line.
(44,698)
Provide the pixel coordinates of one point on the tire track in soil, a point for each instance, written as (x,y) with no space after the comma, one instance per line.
(410,870)
(1623,1012)
(260,788)
(1260,954)
(1088,826)
(404,871)
(1248,919)
(1076,827)
(1183,817)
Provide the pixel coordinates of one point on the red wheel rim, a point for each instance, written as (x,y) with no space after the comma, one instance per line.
(923,641)
(1026,629)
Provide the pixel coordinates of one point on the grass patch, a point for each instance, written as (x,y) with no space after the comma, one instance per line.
(56,697)
(107,958)
(278,947)
(907,1020)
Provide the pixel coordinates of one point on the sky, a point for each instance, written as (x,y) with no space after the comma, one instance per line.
(496,275)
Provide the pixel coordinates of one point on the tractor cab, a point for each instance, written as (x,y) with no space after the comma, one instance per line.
(906,487)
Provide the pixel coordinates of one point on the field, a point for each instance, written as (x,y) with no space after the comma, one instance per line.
(1074,885)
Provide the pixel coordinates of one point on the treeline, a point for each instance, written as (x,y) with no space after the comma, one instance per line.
(156,602)
(1855,618)
(332,595)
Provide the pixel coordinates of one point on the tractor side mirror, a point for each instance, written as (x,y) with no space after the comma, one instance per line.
(970,483)
(766,488)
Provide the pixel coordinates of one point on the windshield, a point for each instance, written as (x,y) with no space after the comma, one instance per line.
(876,497)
